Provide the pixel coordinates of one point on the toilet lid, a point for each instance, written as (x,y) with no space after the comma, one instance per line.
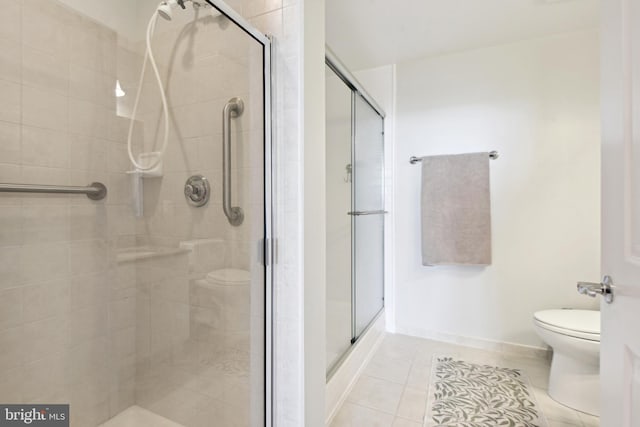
(576,323)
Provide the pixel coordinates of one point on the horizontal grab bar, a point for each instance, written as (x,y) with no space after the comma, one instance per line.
(95,191)
(360,213)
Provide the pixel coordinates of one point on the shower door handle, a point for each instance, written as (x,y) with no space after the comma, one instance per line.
(361,213)
(233,108)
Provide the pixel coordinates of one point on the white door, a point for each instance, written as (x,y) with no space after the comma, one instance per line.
(620,336)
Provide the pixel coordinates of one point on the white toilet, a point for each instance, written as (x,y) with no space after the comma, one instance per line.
(223,299)
(574,336)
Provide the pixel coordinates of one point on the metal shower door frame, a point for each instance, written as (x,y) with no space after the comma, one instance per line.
(334,63)
(267,242)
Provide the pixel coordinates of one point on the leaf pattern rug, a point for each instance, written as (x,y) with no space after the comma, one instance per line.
(463,394)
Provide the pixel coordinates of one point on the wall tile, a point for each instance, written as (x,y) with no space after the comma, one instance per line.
(11,348)
(88,323)
(90,85)
(51,259)
(88,257)
(88,119)
(87,153)
(44,108)
(43,224)
(10,56)
(10,142)
(44,70)
(10,22)
(88,290)
(46,25)
(11,308)
(10,108)
(44,337)
(11,226)
(44,379)
(45,300)
(42,147)
(10,269)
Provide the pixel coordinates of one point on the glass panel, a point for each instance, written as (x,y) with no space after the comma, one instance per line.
(369,272)
(369,157)
(633,193)
(338,181)
(369,229)
(140,307)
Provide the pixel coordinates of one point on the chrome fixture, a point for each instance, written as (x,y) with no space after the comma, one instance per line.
(593,289)
(349,170)
(413,159)
(361,213)
(165,8)
(233,108)
(197,190)
(95,191)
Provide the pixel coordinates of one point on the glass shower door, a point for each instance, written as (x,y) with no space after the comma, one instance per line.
(368,215)
(140,308)
(339,182)
(354,213)
(200,278)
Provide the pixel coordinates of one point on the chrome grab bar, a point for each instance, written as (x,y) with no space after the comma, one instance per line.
(361,213)
(95,191)
(233,108)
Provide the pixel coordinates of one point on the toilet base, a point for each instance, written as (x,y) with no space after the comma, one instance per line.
(575,383)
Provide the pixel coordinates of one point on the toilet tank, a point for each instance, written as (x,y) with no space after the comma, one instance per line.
(205,255)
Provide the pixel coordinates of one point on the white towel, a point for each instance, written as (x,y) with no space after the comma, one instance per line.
(456,210)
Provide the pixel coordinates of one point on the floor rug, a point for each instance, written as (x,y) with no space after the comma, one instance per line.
(463,394)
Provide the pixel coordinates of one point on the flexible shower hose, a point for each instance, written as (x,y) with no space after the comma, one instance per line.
(148,57)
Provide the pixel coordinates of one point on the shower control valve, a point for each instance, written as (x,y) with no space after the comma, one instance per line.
(197,190)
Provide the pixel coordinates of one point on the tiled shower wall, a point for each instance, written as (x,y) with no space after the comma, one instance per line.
(66,325)
(59,340)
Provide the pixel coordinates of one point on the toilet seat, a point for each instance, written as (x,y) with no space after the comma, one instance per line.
(583,324)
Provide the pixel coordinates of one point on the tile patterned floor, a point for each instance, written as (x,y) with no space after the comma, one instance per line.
(392,392)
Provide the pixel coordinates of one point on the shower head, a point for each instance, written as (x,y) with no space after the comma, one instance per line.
(164,9)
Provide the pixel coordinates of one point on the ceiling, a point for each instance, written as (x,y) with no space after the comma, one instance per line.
(370,33)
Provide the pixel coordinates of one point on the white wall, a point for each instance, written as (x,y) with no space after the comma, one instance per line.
(536,102)
(313,211)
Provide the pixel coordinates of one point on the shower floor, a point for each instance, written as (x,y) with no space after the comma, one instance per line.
(135,416)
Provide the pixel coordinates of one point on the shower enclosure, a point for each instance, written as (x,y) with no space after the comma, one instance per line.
(355,211)
(150,306)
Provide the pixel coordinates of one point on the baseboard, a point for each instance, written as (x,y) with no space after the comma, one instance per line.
(484,344)
(343,379)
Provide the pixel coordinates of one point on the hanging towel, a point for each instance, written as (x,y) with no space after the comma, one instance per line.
(456,210)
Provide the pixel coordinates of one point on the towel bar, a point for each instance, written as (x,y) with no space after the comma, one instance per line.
(413,159)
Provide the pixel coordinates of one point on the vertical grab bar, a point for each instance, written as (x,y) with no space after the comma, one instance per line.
(233,108)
